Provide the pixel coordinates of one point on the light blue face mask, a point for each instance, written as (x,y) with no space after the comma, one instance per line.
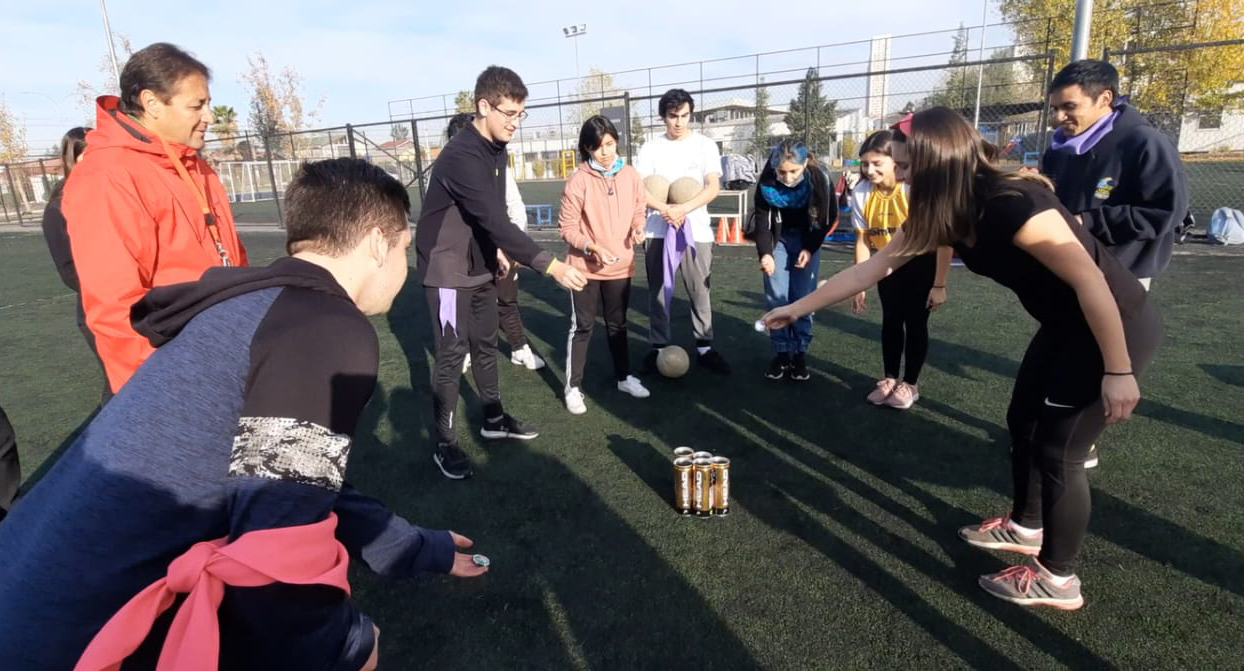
(607,172)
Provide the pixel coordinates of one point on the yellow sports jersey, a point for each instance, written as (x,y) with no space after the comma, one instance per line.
(884,215)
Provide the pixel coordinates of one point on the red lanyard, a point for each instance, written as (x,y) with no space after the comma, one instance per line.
(208,218)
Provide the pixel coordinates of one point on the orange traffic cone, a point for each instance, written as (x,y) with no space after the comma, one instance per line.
(736,232)
(722,225)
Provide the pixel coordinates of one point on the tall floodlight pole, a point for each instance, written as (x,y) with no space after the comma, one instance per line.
(1084,24)
(572,32)
(112,51)
(980,69)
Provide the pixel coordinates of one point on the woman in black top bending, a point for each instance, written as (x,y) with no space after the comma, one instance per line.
(1097,330)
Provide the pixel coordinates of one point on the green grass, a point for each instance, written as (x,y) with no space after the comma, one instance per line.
(840,551)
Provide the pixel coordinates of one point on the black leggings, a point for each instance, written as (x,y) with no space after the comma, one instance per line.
(905,316)
(610,299)
(1056,414)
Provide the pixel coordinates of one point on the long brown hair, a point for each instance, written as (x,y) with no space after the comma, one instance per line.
(71,148)
(949,168)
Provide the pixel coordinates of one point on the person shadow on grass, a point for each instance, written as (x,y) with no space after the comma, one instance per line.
(780,493)
(571,584)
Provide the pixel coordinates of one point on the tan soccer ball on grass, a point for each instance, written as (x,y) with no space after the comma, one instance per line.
(672,361)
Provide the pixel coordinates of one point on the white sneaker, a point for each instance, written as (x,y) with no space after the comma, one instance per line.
(632,386)
(523,356)
(466,363)
(574,401)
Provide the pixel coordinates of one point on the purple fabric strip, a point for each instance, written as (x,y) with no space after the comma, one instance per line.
(449,309)
(677,240)
(1085,141)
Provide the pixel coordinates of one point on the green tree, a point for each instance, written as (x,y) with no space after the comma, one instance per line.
(87,91)
(464,102)
(637,133)
(759,145)
(276,102)
(593,88)
(226,126)
(812,116)
(1179,81)
(998,81)
(12,137)
(399,132)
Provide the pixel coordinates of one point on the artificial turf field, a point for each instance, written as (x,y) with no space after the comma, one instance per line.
(840,551)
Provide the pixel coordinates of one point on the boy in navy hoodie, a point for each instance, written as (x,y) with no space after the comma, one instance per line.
(1119,175)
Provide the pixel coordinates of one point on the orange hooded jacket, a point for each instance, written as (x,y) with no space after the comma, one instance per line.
(134,224)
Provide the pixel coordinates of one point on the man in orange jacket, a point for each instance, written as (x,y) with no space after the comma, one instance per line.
(143,208)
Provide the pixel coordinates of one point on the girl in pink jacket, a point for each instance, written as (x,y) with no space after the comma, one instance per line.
(602,218)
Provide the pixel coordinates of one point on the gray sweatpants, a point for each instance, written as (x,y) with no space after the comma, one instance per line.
(695,270)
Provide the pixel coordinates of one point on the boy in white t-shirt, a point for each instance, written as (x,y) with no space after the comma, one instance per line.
(680,237)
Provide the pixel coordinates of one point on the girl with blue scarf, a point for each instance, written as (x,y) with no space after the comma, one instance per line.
(794,210)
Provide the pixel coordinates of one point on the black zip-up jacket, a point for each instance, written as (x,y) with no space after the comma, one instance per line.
(813,221)
(1130,191)
(464,221)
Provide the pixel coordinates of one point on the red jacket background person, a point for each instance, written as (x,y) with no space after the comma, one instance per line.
(143,208)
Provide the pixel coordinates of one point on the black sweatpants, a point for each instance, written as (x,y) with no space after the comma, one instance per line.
(507,309)
(905,316)
(1056,413)
(10,466)
(609,298)
(474,330)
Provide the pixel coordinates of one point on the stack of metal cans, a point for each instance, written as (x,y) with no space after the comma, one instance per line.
(701,483)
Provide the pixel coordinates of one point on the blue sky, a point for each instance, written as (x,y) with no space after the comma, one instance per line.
(359,54)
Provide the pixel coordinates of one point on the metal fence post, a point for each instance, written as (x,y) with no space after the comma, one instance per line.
(276,192)
(47,187)
(350,140)
(414,134)
(626,121)
(561,128)
(1043,119)
(293,148)
(3,204)
(17,201)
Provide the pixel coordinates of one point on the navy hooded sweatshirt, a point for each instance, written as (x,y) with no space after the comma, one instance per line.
(1130,191)
(241,420)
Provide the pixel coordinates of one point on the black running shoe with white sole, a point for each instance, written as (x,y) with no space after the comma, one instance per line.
(452,461)
(799,368)
(507,427)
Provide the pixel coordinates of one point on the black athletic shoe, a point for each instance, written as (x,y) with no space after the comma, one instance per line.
(714,362)
(452,461)
(649,366)
(507,427)
(778,367)
(799,367)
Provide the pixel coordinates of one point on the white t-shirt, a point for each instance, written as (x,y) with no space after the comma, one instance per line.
(514,206)
(694,156)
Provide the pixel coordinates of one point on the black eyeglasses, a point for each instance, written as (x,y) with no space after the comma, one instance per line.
(512,115)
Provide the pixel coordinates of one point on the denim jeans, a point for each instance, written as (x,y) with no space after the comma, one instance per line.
(788,284)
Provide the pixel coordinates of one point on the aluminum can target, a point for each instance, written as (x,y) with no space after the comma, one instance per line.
(702,487)
(721,485)
(683,478)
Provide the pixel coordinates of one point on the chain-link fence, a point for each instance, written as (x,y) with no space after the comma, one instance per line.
(25,189)
(1195,95)
(832,105)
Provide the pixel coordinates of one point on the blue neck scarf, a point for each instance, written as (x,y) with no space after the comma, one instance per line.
(781,196)
(606,172)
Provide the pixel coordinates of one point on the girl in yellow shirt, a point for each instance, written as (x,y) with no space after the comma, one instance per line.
(878,209)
